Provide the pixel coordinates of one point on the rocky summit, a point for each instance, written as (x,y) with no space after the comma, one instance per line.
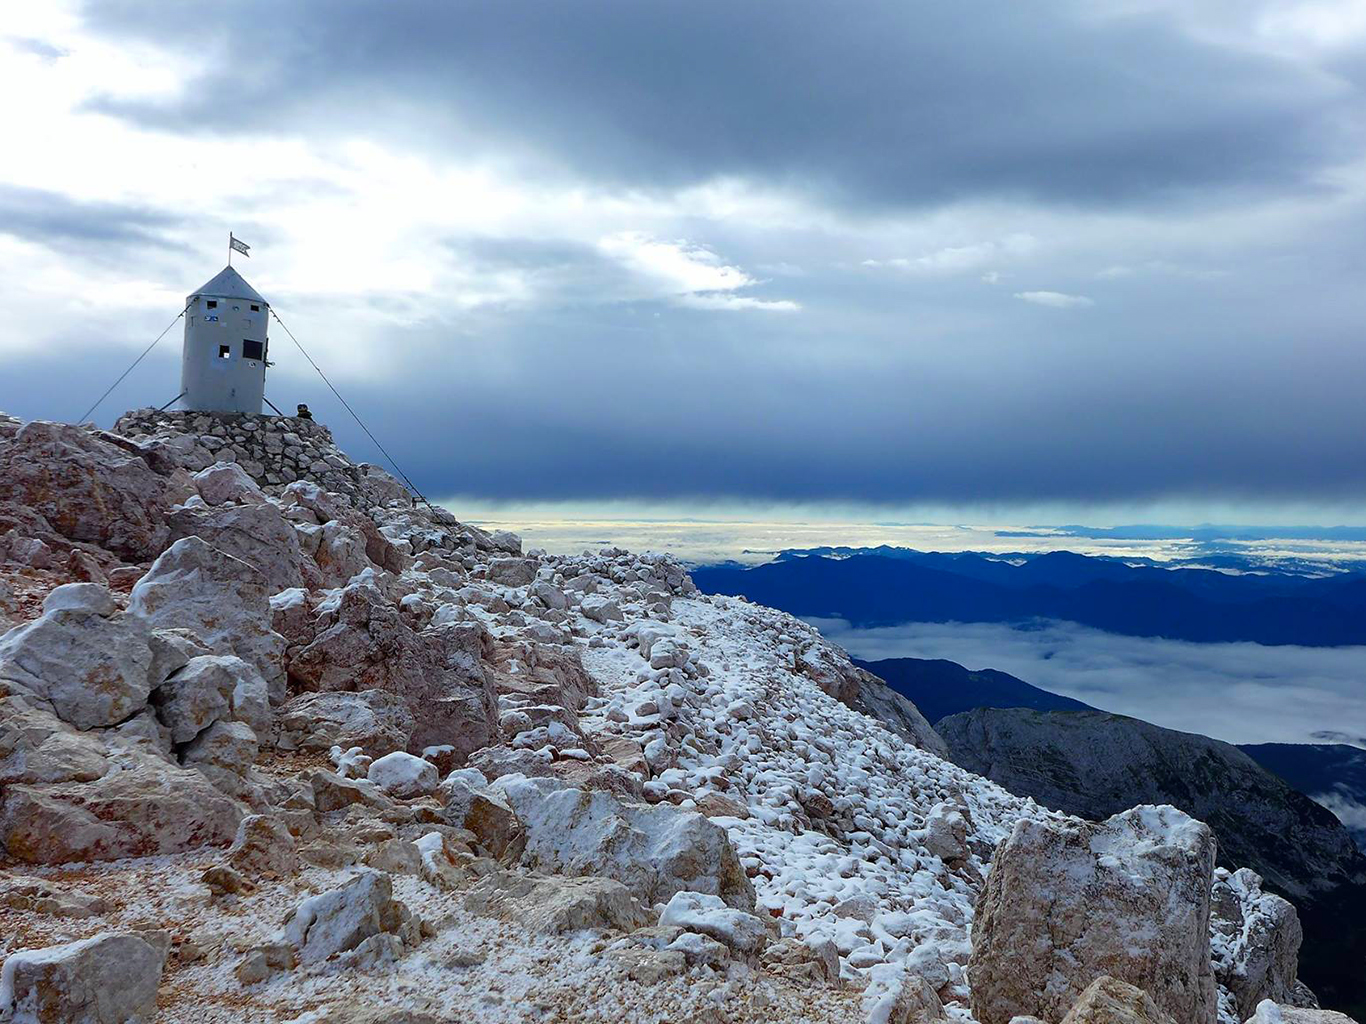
(279,743)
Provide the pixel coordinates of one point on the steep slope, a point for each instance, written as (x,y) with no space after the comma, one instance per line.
(940,688)
(1094,764)
(1334,774)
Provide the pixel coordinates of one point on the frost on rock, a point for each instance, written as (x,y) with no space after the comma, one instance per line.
(105,979)
(1068,901)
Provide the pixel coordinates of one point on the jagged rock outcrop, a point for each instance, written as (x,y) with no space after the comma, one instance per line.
(1255,940)
(1069,901)
(1096,764)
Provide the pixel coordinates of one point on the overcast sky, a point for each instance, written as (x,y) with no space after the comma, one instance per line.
(882,253)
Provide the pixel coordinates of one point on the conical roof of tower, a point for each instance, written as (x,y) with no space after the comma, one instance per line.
(228,284)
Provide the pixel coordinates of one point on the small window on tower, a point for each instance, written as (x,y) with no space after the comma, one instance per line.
(252,349)
(224,351)
(255,308)
(212,303)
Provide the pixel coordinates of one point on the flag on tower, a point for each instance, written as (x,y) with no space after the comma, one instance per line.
(238,245)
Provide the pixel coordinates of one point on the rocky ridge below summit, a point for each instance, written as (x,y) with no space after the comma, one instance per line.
(302,749)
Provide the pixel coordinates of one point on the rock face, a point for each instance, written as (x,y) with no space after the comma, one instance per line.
(1069,901)
(1255,941)
(1096,764)
(88,490)
(878,700)
(94,670)
(107,979)
(220,599)
(436,671)
(656,851)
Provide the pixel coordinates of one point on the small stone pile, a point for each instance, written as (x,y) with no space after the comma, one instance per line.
(273,450)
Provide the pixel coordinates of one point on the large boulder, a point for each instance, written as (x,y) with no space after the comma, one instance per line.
(142,807)
(87,488)
(220,599)
(437,672)
(107,979)
(655,851)
(377,721)
(1255,940)
(258,534)
(343,918)
(553,904)
(94,670)
(1068,901)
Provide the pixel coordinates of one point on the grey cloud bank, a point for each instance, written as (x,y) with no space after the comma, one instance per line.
(1241,693)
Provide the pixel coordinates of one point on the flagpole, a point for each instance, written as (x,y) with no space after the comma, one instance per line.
(229,248)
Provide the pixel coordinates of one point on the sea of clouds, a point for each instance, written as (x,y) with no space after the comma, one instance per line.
(1239,692)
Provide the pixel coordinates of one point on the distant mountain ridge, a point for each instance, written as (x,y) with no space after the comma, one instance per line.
(1199,605)
(940,688)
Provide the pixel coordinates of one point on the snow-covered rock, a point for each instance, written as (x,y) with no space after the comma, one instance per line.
(1255,941)
(105,979)
(656,851)
(403,775)
(1068,901)
(896,995)
(344,917)
(709,915)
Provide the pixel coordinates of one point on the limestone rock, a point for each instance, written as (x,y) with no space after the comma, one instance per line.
(655,850)
(1109,1001)
(220,599)
(107,979)
(403,775)
(1255,940)
(85,597)
(709,915)
(1276,1013)
(257,534)
(263,847)
(36,747)
(94,670)
(146,807)
(376,721)
(552,904)
(198,695)
(341,918)
(437,672)
(230,746)
(1068,901)
(485,812)
(897,996)
(799,961)
(88,489)
(228,482)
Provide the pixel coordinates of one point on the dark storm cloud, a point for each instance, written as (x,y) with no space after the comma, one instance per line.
(58,221)
(886,103)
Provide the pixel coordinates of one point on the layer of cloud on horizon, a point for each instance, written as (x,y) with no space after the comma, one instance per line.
(1238,692)
(1066,253)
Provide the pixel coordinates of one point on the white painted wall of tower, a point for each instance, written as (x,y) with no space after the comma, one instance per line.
(223,363)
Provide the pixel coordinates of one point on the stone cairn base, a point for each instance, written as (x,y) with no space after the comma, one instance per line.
(273,450)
